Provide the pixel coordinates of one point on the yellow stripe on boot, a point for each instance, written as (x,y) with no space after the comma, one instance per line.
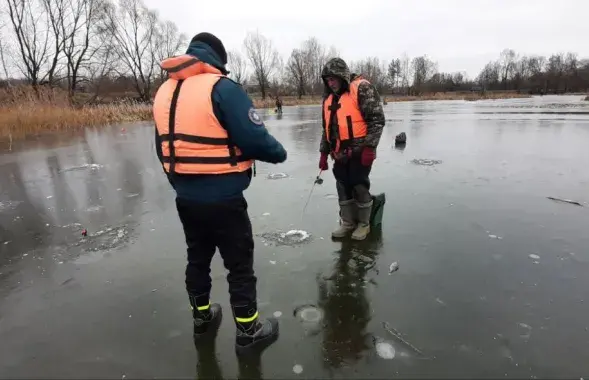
(246,320)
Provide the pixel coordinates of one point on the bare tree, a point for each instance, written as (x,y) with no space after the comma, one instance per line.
(100,67)
(521,71)
(371,69)
(405,72)
(490,74)
(79,27)
(263,57)
(133,28)
(28,18)
(168,42)
(237,66)
(571,69)
(56,15)
(423,69)
(3,48)
(297,70)
(314,56)
(507,61)
(393,72)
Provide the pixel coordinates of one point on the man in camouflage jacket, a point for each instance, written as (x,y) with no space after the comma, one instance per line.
(345,95)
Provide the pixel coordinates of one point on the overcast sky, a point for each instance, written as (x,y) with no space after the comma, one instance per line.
(461,35)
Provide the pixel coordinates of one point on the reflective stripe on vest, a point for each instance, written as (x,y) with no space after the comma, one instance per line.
(193,140)
(350,122)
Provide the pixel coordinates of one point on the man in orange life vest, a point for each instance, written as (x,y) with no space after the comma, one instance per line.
(216,135)
(353,120)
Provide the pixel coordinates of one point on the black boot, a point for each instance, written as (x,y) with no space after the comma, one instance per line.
(207,319)
(252,335)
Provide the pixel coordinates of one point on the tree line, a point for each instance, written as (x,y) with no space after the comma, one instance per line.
(98,46)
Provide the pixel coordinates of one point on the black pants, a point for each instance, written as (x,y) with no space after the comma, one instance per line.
(352,179)
(226,226)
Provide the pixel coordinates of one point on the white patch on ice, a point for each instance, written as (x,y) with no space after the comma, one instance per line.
(277,175)
(393,267)
(49,196)
(535,257)
(385,350)
(438,300)
(278,314)
(298,369)
(266,214)
(272,262)
(303,234)
(310,314)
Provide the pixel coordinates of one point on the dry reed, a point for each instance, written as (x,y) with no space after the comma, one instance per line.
(469,96)
(24,112)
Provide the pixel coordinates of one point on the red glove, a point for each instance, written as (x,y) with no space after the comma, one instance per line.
(368,156)
(323,165)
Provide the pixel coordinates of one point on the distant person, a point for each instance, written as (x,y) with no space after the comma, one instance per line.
(197,109)
(353,120)
(278,105)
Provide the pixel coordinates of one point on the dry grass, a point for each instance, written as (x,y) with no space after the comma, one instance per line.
(287,101)
(24,113)
(469,96)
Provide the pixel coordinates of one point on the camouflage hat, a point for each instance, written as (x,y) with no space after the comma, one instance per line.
(336,67)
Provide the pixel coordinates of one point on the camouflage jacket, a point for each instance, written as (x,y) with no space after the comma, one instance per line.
(368,102)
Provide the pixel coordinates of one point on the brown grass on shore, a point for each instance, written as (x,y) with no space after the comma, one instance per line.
(287,101)
(470,96)
(24,113)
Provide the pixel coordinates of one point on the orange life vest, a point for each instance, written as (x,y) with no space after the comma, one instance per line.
(350,122)
(183,114)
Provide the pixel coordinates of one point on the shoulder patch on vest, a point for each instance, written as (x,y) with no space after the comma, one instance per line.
(254,117)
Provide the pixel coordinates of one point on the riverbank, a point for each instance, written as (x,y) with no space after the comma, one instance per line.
(469,96)
(24,114)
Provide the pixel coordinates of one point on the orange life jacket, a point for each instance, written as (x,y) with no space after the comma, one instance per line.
(350,122)
(183,114)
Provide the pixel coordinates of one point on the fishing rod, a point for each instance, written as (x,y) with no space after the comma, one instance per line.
(318,181)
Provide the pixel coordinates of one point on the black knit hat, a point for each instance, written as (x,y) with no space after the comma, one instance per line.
(214,43)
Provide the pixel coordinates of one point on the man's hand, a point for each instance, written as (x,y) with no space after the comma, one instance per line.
(323,165)
(368,156)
